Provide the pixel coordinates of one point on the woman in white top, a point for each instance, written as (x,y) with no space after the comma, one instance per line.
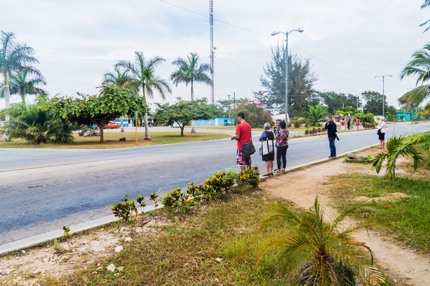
(381,133)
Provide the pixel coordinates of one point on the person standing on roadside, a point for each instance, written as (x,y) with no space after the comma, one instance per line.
(342,124)
(243,136)
(348,121)
(331,128)
(276,128)
(357,123)
(268,148)
(381,133)
(282,146)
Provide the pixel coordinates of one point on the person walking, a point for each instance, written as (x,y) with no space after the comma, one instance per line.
(342,124)
(282,146)
(331,128)
(357,123)
(243,136)
(267,148)
(348,121)
(381,133)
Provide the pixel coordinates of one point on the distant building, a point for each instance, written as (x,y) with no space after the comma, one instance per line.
(406,116)
(219,121)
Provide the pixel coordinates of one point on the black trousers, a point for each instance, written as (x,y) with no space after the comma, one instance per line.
(281,153)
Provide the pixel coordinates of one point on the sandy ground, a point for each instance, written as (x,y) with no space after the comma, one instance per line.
(402,264)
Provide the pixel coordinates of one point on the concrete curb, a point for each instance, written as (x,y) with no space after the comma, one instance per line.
(48,236)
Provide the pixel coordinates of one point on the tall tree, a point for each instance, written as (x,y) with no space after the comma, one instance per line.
(14,57)
(425,4)
(20,84)
(373,101)
(335,101)
(120,78)
(419,66)
(190,71)
(142,72)
(300,82)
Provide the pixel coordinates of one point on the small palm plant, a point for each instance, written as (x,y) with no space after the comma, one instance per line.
(320,253)
(397,146)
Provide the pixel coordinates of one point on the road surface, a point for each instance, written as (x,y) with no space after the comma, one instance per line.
(41,190)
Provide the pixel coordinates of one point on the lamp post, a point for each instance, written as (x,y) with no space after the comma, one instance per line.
(286,67)
(383,91)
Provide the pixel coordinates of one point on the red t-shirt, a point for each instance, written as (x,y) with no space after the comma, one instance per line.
(244,131)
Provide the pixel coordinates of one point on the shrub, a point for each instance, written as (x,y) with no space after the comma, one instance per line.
(126,209)
(178,202)
(250,176)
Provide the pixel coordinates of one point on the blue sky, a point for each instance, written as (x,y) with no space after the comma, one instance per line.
(348,42)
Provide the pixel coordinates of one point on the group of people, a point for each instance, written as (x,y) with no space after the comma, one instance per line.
(276,141)
(345,123)
(272,142)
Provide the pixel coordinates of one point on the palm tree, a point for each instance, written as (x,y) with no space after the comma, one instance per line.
(120,78)
(142,73)
(418,66)
(320,253)
(398,146)
(14,57)
(20,84)
(190,71)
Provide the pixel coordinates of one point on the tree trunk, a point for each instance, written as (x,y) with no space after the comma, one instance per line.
(102,138)
(193,130)
(23,98)
(147,137)
(182,130)
(6,93)
(192,90)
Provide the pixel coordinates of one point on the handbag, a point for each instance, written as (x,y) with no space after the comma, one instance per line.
(248,148)
(379,132)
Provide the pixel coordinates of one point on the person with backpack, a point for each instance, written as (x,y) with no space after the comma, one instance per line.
(282,146)
(267,150)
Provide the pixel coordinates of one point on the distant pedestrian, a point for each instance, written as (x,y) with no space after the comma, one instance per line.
(342,124)
(243,136)
(282,146)
(331,132)
(381,133)
(348,121)
(357,123)
(268,148)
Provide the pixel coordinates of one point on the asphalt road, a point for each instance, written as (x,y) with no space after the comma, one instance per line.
(41,190)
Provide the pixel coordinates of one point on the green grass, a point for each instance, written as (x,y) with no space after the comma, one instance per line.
(185,252)
(112,140)
(407,219)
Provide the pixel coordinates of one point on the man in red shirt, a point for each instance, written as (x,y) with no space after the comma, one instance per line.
(243,136)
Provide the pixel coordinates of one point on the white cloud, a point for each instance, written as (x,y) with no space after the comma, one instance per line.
(348,42)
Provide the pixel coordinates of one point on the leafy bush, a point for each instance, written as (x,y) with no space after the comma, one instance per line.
(126,209)
(36,123)
(250,176)
(178,202)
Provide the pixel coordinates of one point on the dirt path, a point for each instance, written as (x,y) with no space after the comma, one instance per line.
(402,265)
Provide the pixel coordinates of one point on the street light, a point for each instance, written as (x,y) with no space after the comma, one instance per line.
(383,91)
(286,67)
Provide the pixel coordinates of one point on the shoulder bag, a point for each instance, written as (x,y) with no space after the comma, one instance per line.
(248,149)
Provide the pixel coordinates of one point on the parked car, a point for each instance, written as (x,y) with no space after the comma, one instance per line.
(121,122)
(113,125)
(228,122)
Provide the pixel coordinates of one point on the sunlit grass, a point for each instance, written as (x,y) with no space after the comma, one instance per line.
(406,219)
(112,140)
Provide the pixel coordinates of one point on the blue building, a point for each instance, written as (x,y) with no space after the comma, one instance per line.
(406,116)
(219,121)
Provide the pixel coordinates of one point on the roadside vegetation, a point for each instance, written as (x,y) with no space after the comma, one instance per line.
(112,140)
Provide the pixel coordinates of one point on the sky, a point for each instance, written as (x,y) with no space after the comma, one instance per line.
(348,42)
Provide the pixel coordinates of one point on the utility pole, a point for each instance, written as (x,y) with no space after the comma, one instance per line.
(383,91)
(211,24)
